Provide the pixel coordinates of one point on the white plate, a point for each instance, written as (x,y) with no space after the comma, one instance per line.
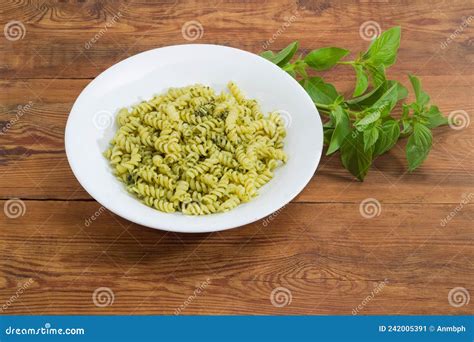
(91,126)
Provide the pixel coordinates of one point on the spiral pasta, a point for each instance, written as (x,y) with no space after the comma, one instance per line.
(194,151)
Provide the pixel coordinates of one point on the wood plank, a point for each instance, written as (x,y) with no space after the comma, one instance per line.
(329,266)
(33,150)
(56,33)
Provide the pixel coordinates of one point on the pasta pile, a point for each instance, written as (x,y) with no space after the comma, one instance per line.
(195,151)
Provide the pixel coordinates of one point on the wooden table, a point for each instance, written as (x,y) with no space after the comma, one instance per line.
(319,251)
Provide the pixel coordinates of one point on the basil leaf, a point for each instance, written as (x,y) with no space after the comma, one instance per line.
(362,81)
(383,51)
(390,97)
(407,127)
(402,92)
(435,117)
(328,124)
(377,74)
(300,68)
(366,99)
(405,111)
(320,92)
(418,145)
(406,121)
(388,137)
(370,137)
(291,72)
(282,57)
(325,58)
(290,69)
(342,127)
(372,116)
(327,135)
(353,155)
(268,55)
(370,98)
(422,98)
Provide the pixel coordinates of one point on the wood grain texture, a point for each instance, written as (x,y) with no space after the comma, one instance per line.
(328,265)
(319,247)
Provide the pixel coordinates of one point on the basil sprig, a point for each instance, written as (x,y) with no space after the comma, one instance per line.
(362,128)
